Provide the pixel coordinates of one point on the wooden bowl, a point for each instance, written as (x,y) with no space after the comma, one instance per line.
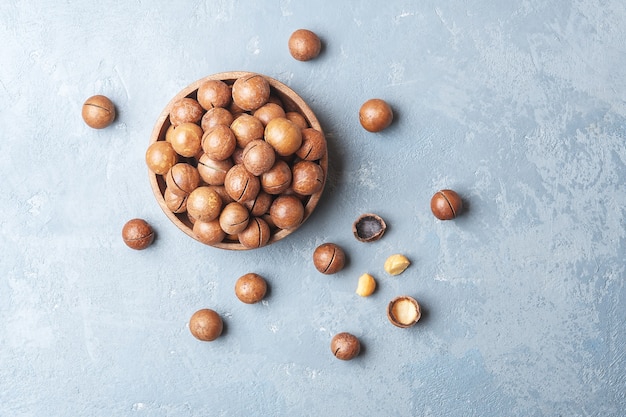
(291,102)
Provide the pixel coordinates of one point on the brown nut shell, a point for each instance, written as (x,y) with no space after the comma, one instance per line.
(258,157)
(250,92)
(246,129)
(313,145)
(186,139)
(250,288)
(257,234)
(98,112)
(287,211)
(186,110)
(345,346)
(277,179)
(212,171)
(206,325)
(329,258)
(209,233)
(214,93)
(234,218)
(182,179)
(446,204)
(160,157)
(404,311)
(240,184)
(284,136)
(175,202)
(304,45)
(216,116)
(204,204)
(375,115)
(137,234)
(369,227)
(219,142)
(307,178)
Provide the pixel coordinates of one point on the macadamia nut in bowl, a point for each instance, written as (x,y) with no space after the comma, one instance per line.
(212,153)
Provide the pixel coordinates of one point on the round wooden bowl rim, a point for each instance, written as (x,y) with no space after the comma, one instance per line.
(163,123)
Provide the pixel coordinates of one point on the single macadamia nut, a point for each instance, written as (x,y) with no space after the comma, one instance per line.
(209,233)
(287,211)
(204,204)
(284,136)
(251,92)
(277,179)
(186,110)
(246,129)
(313,145)
(250,288)
(186,139)
(345,346)
(219,142)
(177,203)
(212,171)
(329,258)
(446,204)
(258,157)
(256,234)
(234,218)
(160,157)
(304,45)
(206,325)
(240,184)
(98,112)
(137,234)
(269,111)
(307,178)
(182,178)
(214,93)
(216,116)
(375,115)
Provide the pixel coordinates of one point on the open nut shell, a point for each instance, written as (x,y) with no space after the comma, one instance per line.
(369,227)
(401,316)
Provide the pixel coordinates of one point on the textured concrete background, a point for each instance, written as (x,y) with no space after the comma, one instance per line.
(519,106)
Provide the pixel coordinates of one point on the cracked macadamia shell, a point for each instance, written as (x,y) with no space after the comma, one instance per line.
(329,258)
(137,234)
(345,346)
(98,112)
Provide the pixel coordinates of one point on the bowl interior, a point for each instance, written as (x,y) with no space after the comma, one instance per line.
(291,102)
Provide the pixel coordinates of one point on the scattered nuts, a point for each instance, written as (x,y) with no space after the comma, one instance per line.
(304,45)
(369,227)
(206,325)
(137,234)
(98,112)
(250,288)
(366,285)
(396,264)
(404,311)
(375,115)
(345,346)
(329,258)
(446,204)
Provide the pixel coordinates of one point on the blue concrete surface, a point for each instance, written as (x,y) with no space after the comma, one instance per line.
(519,106)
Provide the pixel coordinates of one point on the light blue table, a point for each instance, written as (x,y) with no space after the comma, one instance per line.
(519,106)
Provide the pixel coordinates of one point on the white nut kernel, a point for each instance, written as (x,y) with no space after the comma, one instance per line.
(396,264)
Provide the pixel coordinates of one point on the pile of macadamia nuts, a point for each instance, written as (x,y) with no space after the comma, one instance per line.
(238,163)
